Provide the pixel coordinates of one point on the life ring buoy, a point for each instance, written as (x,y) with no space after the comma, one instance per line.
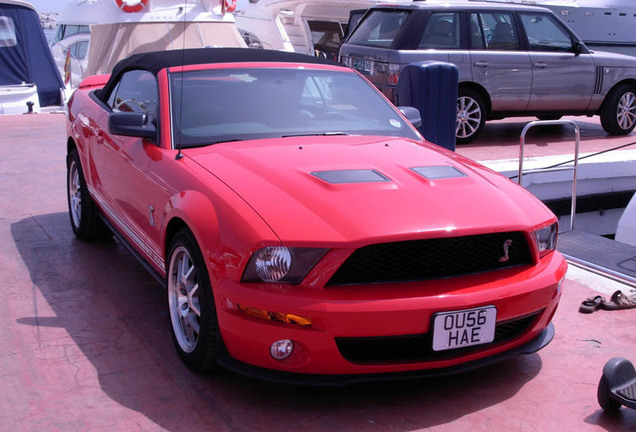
(131,6)
(229,5)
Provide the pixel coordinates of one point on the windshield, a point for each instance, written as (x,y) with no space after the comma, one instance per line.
(219,105)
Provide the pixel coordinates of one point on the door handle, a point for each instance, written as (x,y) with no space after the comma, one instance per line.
(481,64)
(540,64)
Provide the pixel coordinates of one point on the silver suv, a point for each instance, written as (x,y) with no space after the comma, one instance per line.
(513,60)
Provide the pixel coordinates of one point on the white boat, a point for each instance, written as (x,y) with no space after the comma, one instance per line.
(314,27)
(93,35)
(28,77)
(606,24)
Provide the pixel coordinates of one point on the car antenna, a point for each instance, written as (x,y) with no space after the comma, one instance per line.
(179,155)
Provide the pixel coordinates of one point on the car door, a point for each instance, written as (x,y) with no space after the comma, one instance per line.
(498,62)
(562,79)
(130,197)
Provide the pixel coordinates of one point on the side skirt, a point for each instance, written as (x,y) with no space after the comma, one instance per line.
(160,279)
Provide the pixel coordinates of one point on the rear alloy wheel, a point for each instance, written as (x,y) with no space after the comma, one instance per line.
(191,304)
(85,219)
(618,113)
(471,116)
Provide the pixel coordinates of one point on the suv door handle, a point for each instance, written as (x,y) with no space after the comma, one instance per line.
(481,64)
(540,64)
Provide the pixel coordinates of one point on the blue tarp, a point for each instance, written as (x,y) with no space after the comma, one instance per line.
(25,55)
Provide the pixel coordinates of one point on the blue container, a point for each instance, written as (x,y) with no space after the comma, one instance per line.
(431,87)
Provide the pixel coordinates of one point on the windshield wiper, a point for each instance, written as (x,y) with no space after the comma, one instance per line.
(315,134)
(223,141)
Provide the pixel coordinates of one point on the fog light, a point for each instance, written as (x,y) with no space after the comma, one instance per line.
(281,349)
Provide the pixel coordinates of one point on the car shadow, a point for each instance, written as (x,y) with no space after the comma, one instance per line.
(118,335)
(507,132)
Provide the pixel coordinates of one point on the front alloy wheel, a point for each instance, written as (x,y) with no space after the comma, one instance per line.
(626,111)
(618,113)
(470,116)
(191,304)
(183,298)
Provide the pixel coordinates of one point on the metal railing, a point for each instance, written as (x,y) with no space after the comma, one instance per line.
(573,167)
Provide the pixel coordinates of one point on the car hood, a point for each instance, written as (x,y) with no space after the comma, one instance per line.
(609,59)
(326,190)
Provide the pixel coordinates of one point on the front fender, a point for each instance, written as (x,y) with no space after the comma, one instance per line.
(226,228)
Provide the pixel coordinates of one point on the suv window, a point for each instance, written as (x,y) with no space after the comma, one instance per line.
(379,28)
(137,92)
(494,31)
(441,31)
(545,34)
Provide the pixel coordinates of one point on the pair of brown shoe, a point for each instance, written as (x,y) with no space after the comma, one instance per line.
(617,301)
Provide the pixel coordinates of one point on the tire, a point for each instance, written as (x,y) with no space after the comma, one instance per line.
(604,400)
(618,113)
(193,319)
(549,117)
(471,116)
(84,214)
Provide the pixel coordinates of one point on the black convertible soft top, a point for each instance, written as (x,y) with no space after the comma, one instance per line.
(157,60)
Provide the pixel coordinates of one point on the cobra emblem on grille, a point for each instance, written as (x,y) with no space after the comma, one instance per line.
(506,245)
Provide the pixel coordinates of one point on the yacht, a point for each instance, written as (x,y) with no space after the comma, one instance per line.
(313,27)
(29,79)
(93,35)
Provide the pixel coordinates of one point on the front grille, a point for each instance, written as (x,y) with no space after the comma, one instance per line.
(436,258)
(417,348)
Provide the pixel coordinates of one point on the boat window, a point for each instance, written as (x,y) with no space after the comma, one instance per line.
(327,37)
(68,30)
(136,92)
(79,49)
(379,28)
(217,105)
(7,32)
(496,29)
(544,33)
(441,31)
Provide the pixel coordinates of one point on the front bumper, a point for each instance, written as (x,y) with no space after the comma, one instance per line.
(370,315)
(318,380)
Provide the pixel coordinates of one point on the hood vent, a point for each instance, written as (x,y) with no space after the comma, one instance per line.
(438,172)
(350,176)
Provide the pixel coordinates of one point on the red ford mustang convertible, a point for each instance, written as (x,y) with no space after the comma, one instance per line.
(303,228)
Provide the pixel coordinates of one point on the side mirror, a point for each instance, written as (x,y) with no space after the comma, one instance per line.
(577,48)
(133,124)
(412,115)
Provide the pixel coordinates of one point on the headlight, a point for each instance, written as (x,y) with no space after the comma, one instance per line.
(546,239)
(281,264)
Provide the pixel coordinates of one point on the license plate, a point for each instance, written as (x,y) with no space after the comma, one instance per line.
(365,66)
(457,329)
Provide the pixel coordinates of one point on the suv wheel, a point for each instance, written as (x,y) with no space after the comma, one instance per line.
(471,115)
(618,113)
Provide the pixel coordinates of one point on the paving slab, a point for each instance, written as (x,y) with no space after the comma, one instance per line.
(85,342)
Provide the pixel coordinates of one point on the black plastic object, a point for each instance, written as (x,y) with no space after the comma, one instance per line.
(618,385)
(431,87)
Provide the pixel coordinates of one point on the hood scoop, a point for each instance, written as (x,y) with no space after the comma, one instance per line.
(438,172)
(351,176)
